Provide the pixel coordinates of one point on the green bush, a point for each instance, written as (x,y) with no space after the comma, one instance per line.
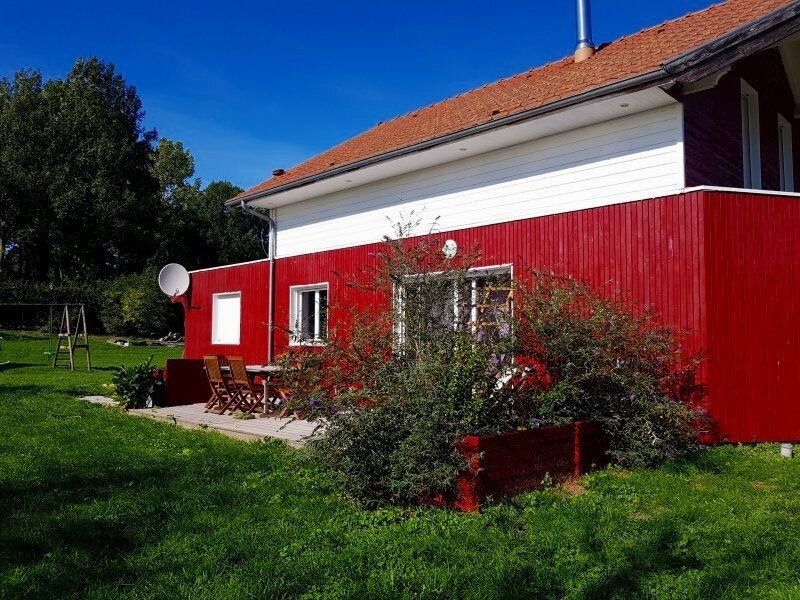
(402,382)
(401,444)
(138,386)
(134,305)
(128,305)
(609,362)
(398,401)
(15,291)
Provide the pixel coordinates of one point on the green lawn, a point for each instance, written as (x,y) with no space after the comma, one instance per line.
(97,503)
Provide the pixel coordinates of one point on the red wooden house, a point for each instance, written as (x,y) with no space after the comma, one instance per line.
(661,164)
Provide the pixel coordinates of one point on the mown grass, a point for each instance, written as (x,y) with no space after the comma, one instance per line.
(100,504)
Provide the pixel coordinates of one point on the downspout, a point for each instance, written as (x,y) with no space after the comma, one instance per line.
(273,228)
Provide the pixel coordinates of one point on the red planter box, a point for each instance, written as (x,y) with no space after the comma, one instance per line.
(509,463)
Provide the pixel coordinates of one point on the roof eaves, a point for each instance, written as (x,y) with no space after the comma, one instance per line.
(726,49)
(652,78)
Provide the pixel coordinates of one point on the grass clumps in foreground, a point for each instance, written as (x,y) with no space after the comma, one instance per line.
(102,504)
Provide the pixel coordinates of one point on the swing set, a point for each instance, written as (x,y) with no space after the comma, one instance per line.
(72,334)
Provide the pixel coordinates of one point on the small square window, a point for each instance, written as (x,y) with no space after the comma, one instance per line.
(226,318)
(309,313)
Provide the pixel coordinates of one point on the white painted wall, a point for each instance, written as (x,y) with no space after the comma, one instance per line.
(630,158)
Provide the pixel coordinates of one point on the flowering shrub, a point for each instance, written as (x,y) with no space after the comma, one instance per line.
(439,355)
(606,361)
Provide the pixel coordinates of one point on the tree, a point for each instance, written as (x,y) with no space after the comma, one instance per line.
(23,138)
(77,191)
(86,194)
(172,166)
(197,231)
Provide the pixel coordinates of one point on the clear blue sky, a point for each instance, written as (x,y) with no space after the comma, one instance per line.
(253,86)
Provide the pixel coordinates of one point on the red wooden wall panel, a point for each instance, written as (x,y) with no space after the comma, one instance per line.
(752,290)
(252,280)
(648,250)
(719,266)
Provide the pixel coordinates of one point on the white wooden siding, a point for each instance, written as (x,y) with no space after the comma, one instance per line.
(630,158)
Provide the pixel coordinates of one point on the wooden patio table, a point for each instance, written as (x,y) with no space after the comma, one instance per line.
(270,377)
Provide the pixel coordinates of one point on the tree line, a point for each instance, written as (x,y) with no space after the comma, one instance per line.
(88,193)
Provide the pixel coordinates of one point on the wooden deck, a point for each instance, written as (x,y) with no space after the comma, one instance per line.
(294,432)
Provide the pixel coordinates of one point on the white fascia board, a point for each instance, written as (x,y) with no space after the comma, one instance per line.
(588,113)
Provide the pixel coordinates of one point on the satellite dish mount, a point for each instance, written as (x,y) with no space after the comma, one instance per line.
(450,249)
(174,281)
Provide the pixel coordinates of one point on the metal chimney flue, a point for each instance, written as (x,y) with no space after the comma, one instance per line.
(583,14)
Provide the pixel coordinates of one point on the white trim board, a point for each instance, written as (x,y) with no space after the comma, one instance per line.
(239,264)
(732,190)
(635,157)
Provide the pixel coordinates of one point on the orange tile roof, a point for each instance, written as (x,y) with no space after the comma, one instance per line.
(628,57)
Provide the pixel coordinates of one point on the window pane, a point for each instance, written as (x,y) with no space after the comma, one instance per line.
(307,315)
(781,158)
(493,304)
(785,157)
(309,320)
(429,307)
(323,314)
(746,142)
(481,303)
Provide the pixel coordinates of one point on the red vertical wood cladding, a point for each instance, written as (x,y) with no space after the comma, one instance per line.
(648,251)
(252,280)
(720,266)
(753,296)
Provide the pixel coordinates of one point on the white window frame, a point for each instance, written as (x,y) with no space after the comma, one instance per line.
(221,334)
(751,137)
(473,274)
(296,316)
(785,155)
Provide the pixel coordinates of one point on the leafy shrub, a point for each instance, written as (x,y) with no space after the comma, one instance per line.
(127,305)
(400,383)
(15,291)
(138,386)
(609,362)
(134,305)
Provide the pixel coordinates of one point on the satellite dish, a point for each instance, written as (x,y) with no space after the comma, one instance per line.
(450,249)
(173,280)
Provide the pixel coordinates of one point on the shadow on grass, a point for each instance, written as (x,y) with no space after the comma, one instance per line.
(654,553)
(70,391)
(90,518)
(15,364)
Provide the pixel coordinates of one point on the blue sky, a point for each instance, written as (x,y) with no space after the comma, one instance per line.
(253,86)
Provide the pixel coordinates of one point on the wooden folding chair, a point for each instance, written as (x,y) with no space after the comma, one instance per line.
(249,397)
(278,398)
(221,395)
